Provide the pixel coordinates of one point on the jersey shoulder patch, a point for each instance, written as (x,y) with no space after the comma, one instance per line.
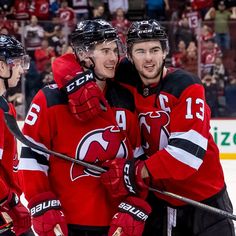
(176,82)
(54,96)
(119,96)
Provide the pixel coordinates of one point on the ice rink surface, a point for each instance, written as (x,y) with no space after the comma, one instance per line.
(229,167)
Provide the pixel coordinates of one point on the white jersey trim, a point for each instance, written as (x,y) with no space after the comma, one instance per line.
(192,136)
(184,157)
(1,153)
(32,164)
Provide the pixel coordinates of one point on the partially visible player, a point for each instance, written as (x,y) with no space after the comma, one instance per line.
(13,62)
(175,128)
(90,117)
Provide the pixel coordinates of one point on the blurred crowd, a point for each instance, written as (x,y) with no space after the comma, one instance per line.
(201,34)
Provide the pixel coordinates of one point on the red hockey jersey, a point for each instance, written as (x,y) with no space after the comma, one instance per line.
(174,120)
(8,157)
(49,123)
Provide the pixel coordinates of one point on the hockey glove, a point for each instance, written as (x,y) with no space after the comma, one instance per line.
(46,214)
(130,218)
(123,177)
(86,99)
(17,212)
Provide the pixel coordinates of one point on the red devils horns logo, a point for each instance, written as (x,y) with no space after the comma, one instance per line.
(98,146)
(154,130)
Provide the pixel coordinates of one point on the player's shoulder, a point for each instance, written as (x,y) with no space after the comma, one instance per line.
(119,96)
(177,80)
(53,95)
(126,73)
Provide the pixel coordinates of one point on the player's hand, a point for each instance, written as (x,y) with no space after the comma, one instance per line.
(46,215)
(17,212)
(130,218)
(124,177)
(86,100)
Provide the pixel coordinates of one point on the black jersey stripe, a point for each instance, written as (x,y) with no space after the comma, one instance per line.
(54,96)
(188,146)
(27,152)
(176,82)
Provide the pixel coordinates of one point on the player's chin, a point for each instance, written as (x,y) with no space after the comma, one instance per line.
(109,74)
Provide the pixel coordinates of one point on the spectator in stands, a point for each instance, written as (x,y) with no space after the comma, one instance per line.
(179,56)
(118,4)
(211,93)
(99,12)
(156,9)
(202,6)
(192,15)
(82,9)
(57,40)
(67,17)
(184,32)
(121,24)
(191,61)
(21,9)
(221,18)
(8,26)
(206,33)
(220,73)
(40,8)
(230,96)
(34,34)
(208,54)
(43,55)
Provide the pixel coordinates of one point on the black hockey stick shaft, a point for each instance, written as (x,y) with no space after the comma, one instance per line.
(13,127)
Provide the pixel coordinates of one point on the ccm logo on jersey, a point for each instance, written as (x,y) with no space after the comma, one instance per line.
(128,177)
(134,211)
(78,81)
(44,206)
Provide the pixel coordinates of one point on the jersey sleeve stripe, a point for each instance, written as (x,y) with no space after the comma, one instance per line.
(32,164)
(39,144)
(1,153)
(188,146)
(192,136)
(27,153)
(184,157)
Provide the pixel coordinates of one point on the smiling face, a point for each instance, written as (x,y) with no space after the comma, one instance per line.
(148,59)
(105,57)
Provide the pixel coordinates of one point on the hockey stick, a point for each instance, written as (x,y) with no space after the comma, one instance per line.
(12,125)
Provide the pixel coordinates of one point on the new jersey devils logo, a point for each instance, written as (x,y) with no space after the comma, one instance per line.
(97,146)
(154,130)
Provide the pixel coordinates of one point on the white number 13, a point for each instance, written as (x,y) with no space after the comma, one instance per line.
(200,113)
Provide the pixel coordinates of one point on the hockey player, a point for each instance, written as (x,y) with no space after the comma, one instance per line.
(175,123)
(13,62)
(87,116)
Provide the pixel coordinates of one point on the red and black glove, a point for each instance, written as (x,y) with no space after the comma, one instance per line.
(130,218)
(47,217)
(17,212)
(124,177)
(86,100)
